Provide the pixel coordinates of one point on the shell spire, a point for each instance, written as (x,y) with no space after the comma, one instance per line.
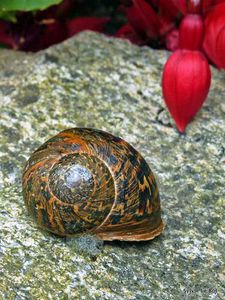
(89,181)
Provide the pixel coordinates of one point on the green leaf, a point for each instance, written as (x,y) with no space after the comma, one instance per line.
(8,16)
(26,5)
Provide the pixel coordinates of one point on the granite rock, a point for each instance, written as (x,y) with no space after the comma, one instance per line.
(109,84)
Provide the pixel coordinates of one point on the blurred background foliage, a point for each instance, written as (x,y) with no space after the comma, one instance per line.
(29,25)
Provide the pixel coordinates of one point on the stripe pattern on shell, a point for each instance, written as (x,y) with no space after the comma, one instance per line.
(88,181)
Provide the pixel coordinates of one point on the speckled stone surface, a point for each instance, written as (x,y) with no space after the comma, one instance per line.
(93,81)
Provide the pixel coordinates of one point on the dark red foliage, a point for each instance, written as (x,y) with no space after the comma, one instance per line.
(155,22)
(127,32)
(5,37)
(51,34)
(23,33)
(45,28)
(195,6)
(150,22)
(142,18)
(86,23)
(60,11)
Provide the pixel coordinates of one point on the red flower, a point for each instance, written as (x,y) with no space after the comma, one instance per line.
(185,82)
(191,32)
(195,6)
(214,42)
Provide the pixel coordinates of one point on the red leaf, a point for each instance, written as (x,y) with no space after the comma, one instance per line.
(143,18)
(185,82)
(127,32)
(195,6)
(5,37)
(214,41)
(167,9)
(206,5)
(86,23)
(168,13)
(51,34)
(191,32)
(188,6)
(181,5)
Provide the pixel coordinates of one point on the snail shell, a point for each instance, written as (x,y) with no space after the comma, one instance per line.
(89,181)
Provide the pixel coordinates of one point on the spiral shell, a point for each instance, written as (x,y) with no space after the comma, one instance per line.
(89,181)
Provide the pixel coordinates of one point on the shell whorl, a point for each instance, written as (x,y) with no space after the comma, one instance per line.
(86,180)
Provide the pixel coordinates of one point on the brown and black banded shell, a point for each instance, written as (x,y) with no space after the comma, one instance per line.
(89,181)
